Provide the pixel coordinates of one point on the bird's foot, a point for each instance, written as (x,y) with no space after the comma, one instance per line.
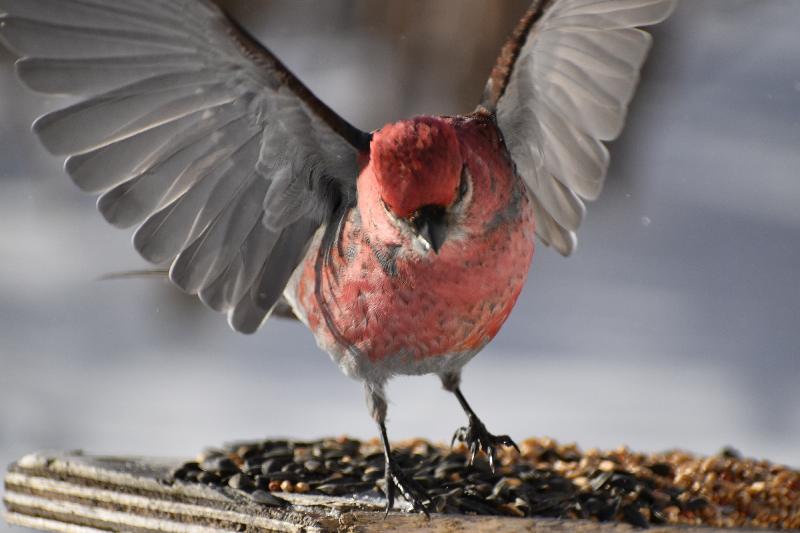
(412,491)
(477,438)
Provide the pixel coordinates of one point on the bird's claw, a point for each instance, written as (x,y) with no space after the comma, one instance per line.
(412,491)
(479,439)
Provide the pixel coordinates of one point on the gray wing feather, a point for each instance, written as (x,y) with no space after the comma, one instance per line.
(113,164)
(189,176)
(194,132)
(165,233)
(27,38)
(199,264)
(255,304)
(132,110)
(240,274)
(561,87)
(86,77)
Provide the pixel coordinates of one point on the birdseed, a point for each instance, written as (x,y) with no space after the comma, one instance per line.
(545,480)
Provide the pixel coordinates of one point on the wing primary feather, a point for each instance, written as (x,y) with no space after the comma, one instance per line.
(88,77)
(256,304)
(41,39)
(201,262)
(164,234)
(112,164)
(178,172)
(230,286)
(185,124)
(560,88)
(285,257)
(87,126)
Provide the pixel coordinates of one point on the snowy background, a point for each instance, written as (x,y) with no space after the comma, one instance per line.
(676,324)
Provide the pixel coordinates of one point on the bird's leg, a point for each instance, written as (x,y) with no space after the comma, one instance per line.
(412,491)
(395,478)
(475,435)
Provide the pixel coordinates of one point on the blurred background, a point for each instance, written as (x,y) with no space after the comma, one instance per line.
(676,324)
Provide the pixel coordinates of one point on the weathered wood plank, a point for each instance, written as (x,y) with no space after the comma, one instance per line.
(73,493)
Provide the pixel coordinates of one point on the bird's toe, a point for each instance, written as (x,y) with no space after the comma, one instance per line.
(412,491)
(477,438)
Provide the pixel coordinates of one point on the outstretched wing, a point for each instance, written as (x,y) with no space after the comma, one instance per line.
(561,87)
(191,130)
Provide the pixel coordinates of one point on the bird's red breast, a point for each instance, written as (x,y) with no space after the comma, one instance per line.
(385,296)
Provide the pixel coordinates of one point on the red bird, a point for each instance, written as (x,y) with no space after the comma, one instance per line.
(403,250)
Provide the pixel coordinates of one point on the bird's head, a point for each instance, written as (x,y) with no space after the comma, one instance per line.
(417,165)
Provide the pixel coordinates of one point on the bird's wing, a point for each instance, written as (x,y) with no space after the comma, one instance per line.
(561,87)
(191,130)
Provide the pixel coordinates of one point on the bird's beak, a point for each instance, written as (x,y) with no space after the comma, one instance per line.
(430,223)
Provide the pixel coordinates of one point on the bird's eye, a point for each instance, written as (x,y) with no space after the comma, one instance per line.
(463,186)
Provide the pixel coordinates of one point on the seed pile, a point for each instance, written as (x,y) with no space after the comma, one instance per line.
(546,480)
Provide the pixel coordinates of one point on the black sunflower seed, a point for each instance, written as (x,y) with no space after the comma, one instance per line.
(343,467)
(265,498)
(634,516)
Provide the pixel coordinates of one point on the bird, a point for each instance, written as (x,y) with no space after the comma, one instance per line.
(403,250)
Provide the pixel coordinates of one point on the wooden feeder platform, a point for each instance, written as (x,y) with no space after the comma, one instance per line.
(77,493)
